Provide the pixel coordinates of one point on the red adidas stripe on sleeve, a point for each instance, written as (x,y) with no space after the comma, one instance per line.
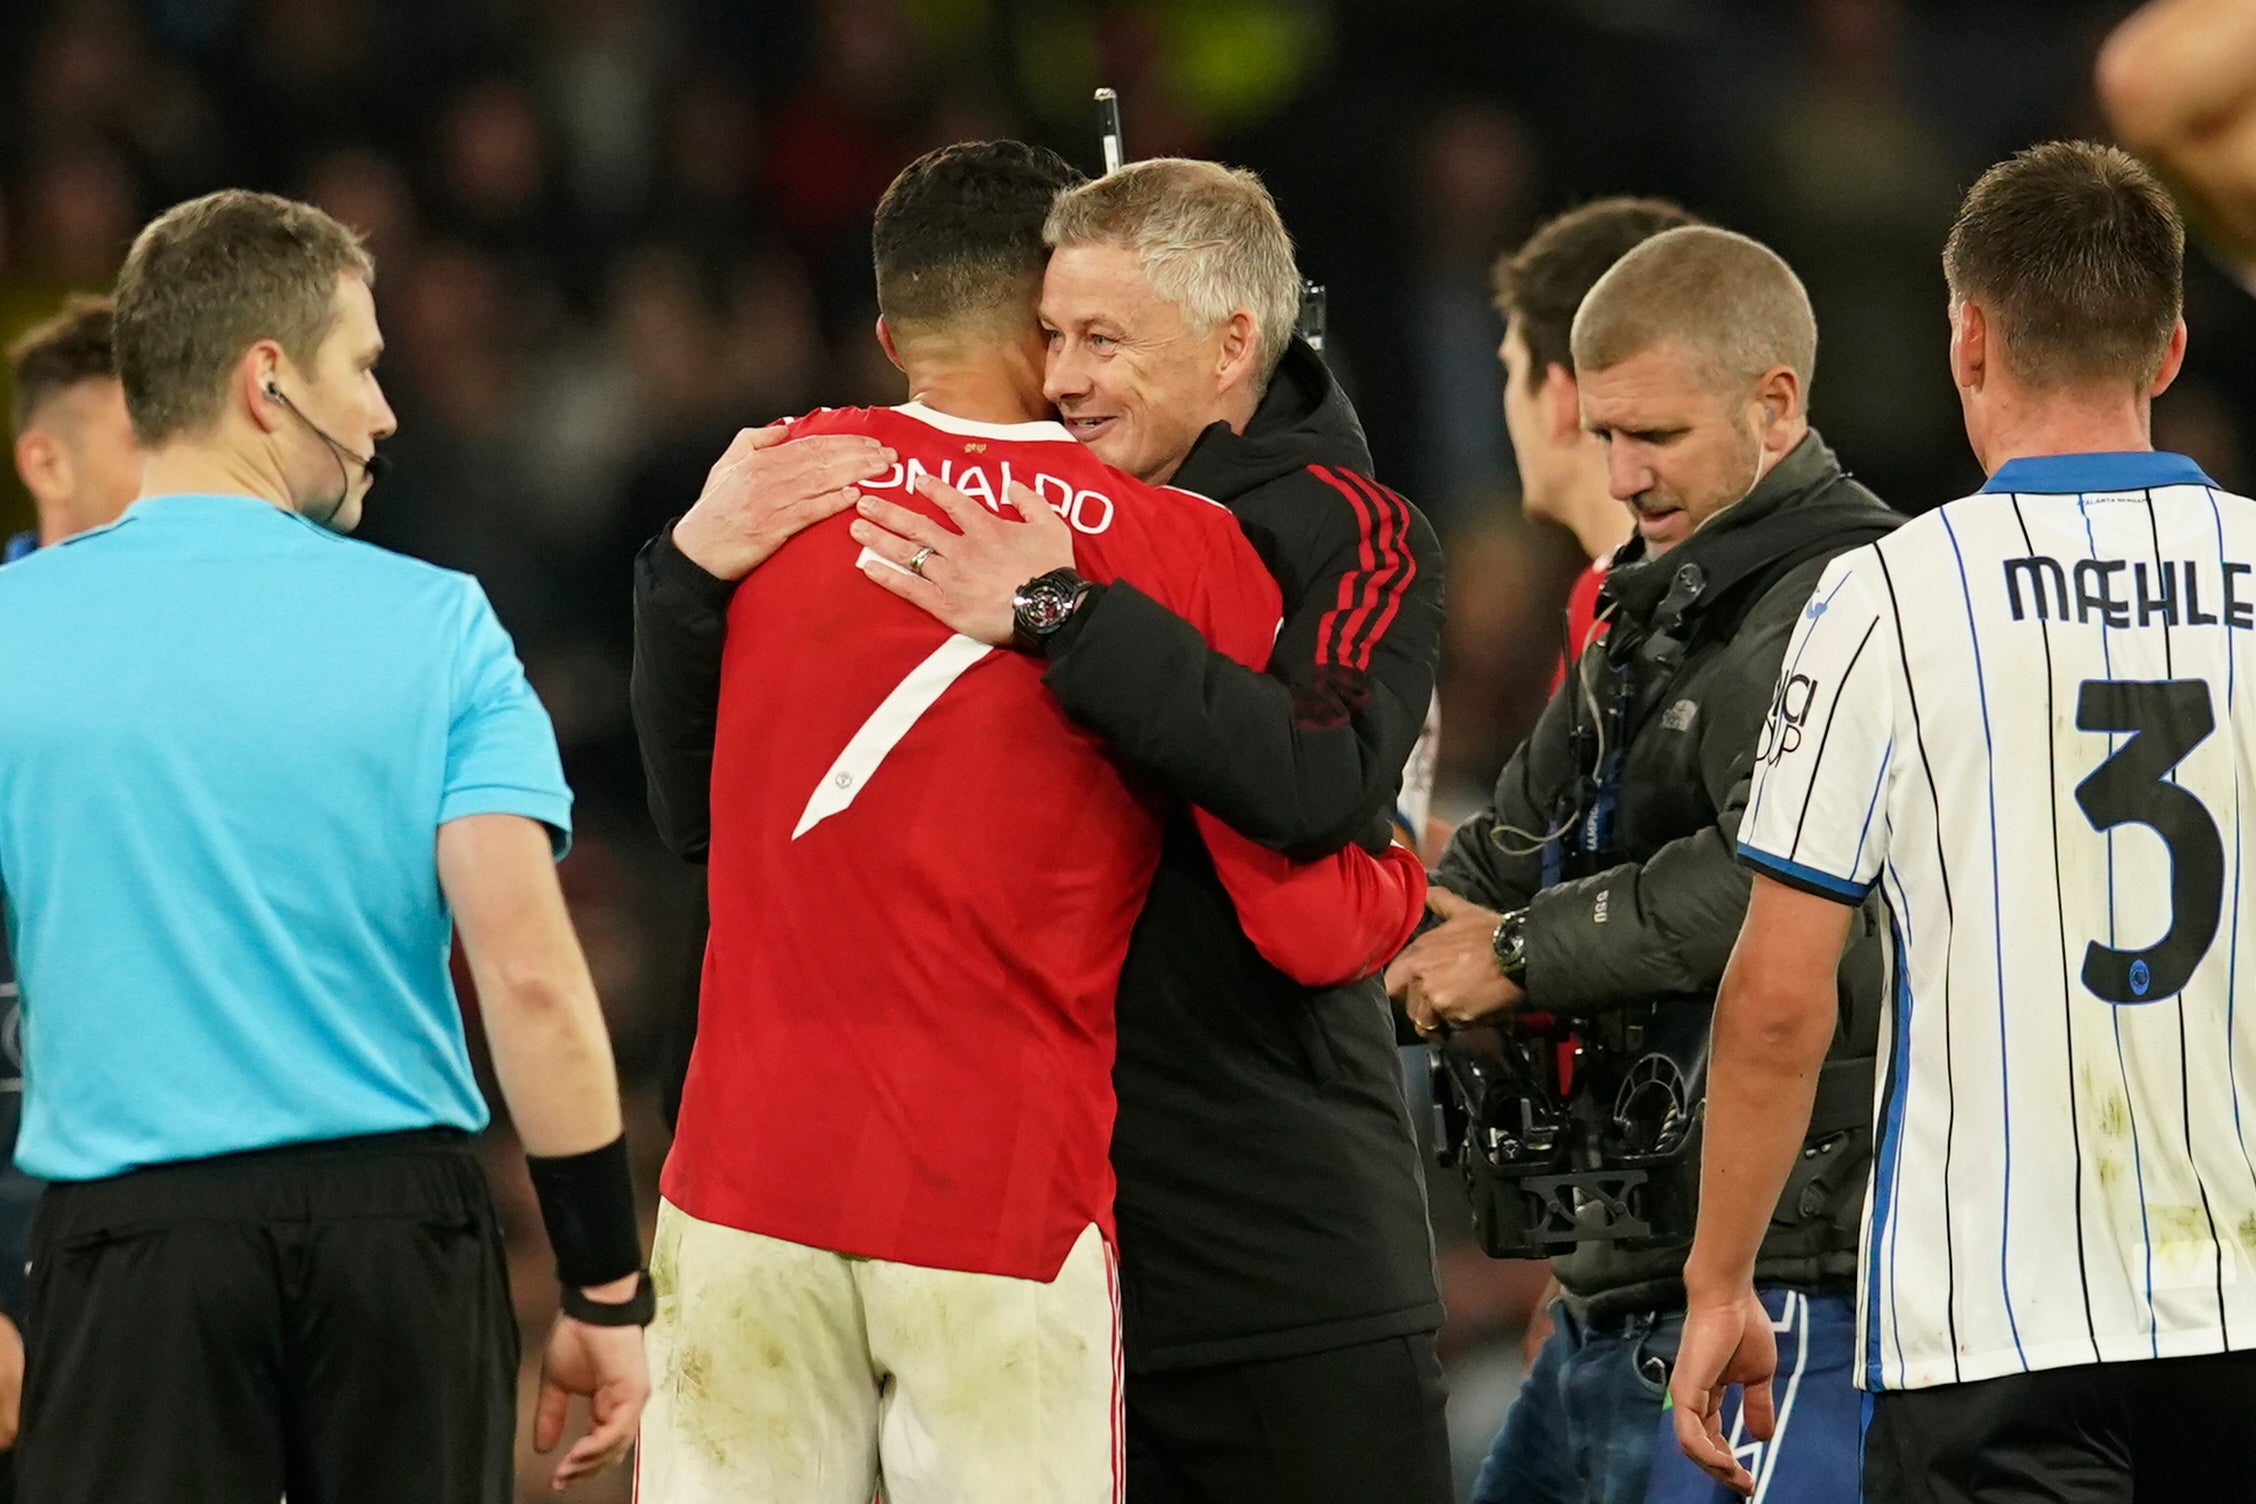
(1371,595)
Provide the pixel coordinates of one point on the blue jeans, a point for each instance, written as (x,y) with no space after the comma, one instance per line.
(1591,1425)
(1581,1431)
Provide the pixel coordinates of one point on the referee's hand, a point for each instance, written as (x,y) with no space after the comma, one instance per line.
(606,1364)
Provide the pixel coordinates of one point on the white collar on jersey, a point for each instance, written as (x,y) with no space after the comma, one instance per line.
(969,428)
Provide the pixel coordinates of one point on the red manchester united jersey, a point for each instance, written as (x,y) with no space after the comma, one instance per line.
(923,878)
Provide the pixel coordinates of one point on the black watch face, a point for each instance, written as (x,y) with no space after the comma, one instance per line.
(1043,607)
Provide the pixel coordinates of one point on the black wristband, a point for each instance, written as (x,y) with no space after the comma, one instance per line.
(636,1310)
(587,1204)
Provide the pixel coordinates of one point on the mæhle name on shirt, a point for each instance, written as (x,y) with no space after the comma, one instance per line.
(2132,592)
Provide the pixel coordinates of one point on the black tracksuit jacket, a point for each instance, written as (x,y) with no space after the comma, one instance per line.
(1270,1202)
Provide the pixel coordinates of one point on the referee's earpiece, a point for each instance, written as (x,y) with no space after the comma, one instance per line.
(273,392)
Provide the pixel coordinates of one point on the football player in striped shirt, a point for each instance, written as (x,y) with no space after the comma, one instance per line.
(2027,719)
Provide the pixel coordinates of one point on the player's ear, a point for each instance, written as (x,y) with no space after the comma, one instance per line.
(2173,357)
(1562,403)
(885,343)
(1969,345)
(43,463)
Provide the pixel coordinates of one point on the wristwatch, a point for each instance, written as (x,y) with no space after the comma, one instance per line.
(635,1310)
(1510,945)
(1046,603)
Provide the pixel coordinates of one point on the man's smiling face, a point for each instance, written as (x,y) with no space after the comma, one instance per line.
(1128,377)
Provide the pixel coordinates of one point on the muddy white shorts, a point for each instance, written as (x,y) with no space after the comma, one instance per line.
(783,1374)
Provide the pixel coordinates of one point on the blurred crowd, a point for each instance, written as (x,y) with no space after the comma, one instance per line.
(609,232)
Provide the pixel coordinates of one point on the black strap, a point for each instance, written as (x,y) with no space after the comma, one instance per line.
(636,1310)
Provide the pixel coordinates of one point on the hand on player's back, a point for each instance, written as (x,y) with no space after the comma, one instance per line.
(767,487)
(967,575)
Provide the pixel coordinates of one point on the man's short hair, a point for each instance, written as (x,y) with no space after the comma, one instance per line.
(2076,254)
(1543,282)
(958,234)
(208,279)
(56,355)
(1208,238)
(1730,302)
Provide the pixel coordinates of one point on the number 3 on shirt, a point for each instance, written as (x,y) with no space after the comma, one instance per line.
(2166,719)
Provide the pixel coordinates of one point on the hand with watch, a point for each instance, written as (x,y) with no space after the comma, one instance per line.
(1468,969)
(1042,606)
(970,571)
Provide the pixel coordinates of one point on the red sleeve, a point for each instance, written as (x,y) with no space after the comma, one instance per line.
(1582,617)
(1323,923)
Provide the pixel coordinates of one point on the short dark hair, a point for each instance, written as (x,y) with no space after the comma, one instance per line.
(2077,256)
(1545,280)
(1727,301)
(53,356)
(959,232)
(208,279)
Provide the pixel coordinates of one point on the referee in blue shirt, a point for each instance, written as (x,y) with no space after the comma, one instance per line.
(249,773)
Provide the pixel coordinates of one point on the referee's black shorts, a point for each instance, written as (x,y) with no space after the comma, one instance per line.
(2152,1432)
(329,1320)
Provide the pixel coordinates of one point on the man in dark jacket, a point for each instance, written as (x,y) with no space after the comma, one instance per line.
(1602,875)
(1276,1268)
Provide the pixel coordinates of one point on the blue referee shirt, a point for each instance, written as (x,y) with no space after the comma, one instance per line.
(227,740)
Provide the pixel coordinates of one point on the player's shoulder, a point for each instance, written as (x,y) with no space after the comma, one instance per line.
(929,425)
(1929,549)
(827,420)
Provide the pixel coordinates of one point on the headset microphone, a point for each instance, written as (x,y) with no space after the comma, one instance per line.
(374,466)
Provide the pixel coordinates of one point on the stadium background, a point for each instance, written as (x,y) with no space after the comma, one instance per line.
(611,231)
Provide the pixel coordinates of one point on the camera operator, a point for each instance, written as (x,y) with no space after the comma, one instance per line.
(1600,881)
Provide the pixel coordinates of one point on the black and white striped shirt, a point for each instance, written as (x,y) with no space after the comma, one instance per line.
(2029,718)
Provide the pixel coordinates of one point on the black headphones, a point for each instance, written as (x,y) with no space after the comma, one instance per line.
(373,466)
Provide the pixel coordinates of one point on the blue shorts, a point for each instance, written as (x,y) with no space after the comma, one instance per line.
(1813,1454)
